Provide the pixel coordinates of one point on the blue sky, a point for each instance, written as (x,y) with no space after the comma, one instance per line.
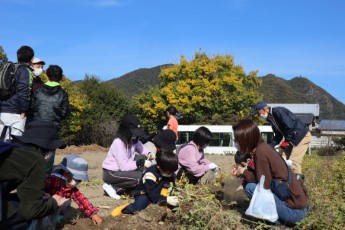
(109,38)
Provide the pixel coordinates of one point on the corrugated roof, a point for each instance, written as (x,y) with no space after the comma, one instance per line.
(332,125)
(306,118)
(300,108)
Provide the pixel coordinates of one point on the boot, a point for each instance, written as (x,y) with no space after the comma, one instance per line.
(300,177)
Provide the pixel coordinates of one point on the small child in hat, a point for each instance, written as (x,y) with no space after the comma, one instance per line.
(64,180)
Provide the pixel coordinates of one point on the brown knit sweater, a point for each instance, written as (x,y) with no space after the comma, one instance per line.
(269,163)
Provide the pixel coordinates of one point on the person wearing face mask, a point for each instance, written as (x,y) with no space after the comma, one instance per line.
(22,176)
(64,180)
(126,158)
(192,159)
(153,185)
(290,133)
(269,164)
(37,70)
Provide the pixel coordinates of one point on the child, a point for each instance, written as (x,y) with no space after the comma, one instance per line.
(246,161)
(153,185)
(64,181)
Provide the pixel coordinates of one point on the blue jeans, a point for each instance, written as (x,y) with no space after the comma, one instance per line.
(287,216)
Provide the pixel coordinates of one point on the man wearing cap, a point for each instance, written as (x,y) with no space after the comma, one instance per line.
(23,168)
(13,110)
(290,133)
(37,66)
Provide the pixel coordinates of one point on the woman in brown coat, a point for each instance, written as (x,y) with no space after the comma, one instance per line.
(267,162)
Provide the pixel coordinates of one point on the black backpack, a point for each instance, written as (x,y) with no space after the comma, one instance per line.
(8,79)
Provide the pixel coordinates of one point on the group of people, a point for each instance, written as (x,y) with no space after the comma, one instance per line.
(33,115)
(131,167)
(30,120)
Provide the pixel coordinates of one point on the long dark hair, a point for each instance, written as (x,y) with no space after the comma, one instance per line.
(125,135)
(247,135)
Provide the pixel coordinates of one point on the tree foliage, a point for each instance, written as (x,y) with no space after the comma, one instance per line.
(206,90)
(78,104)
(107,106)
(3,56)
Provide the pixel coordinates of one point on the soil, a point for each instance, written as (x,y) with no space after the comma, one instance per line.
(153,217)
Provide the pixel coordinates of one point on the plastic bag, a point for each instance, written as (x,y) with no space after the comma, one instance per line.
(262,204)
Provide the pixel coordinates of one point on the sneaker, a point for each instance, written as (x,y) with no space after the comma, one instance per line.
(110,191)
(118,211)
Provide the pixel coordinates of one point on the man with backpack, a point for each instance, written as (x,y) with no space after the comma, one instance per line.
(15,90)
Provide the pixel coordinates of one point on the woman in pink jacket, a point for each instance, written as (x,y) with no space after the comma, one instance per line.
(124,164)
(191,157)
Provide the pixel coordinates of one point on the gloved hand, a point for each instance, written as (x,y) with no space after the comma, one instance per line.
(150,156)
(212,166)
(147,164)
(284,144)
(140,163)
(172,200)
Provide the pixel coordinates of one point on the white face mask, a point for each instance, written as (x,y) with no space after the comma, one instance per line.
(165,174)
(264,116)
(72,184)
(37,72)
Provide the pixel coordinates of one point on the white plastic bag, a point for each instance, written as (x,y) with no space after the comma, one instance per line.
(262,204)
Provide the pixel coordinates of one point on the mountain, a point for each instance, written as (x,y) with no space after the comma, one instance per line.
(301,90)
(273,90)
(138,80)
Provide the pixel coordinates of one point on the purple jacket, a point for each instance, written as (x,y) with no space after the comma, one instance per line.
(193,160)
(121,158)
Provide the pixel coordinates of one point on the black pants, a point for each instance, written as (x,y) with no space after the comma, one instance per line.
(122,181)
(16,221)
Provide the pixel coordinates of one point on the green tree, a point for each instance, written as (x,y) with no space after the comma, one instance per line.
(3,56)
(107,106)
(206,90)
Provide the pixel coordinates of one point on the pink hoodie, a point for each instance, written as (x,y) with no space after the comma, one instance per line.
(193,160)
(121,158)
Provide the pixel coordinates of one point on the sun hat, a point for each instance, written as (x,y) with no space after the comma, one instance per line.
(166,139)
(43,134)
(36,60)
(77,166)
(258,106)
(133,123)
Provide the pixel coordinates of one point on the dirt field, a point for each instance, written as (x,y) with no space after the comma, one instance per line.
(153,217)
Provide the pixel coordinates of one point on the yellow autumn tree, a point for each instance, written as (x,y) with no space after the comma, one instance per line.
(207,90)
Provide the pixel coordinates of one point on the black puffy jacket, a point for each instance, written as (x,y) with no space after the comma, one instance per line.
(50,104)
(286,124)
(19,102)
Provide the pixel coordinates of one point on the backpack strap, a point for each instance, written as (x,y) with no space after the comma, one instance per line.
(289,181)
(3,133)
